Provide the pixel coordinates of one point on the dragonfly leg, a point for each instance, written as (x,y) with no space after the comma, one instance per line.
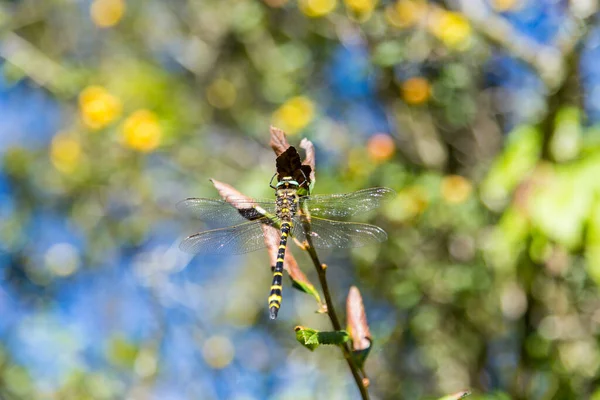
(271,182)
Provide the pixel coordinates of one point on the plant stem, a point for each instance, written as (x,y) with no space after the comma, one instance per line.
(321,270)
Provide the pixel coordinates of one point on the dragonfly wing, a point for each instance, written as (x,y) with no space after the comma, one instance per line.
(237,239)
(347,204)
(328,234)
(233,211)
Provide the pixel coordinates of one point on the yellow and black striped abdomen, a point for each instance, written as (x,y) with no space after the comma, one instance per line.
(276,287)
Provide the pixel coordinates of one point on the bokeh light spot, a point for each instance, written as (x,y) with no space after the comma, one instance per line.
(142,131)
(317,8)
(505,5)
(409,203)
(65,153)
(416,90)
(456,189)
(145,364)
(107,13)
(218,352)
(451,28)
(361,6)
(98,107)
(62,259)
(381,147)
(221,94)
(405,13)
(294,115)
(513,301)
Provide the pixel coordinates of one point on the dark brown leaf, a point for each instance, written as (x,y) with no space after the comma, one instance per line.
(288,164)
(278,142)
(357,320)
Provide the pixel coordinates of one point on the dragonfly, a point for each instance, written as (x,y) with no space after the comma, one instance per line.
(313,219)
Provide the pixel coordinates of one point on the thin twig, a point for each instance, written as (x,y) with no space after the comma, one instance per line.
(321,271)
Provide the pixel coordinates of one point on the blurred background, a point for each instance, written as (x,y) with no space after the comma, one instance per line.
(481,114)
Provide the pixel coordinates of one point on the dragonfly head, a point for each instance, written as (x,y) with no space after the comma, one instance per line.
(287,182)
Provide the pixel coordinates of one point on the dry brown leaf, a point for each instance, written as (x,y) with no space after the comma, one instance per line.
(228,192)
(309,149)
(272,239)
(278,142)
(357,320)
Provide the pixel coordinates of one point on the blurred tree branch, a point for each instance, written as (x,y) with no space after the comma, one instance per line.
(547,60)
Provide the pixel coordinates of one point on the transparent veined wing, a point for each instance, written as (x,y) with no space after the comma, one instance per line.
(347,204)
(233,211)
(329,234)
(237,239)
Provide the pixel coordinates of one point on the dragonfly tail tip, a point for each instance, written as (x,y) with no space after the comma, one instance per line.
(273,312)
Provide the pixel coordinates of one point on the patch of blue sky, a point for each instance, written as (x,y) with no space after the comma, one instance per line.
(47,347)
(351,92)
(350,74)
(12,308)
(34,128)
(104,303)
(47,227)
(538,19)
(590,75)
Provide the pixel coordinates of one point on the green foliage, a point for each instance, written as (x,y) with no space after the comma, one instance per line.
(456,396)
(308,288)
(312,338)
(121,352)
(360,356)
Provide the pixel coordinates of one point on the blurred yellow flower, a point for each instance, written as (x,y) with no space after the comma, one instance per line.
(294,114)
(221,94)
(405,13)
(98,107)
(451,28)
(505,5)
(317,8)
(65,153)
(415,90)
(361,6)
(107,13)
(381,147)
(142,131)
(456,189)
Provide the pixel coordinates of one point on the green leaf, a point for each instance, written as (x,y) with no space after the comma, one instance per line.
(299,279)
(334,337)
(312,338)
(522,152)
(122,352)
(565,143)
(560,207)
(306,287)
(456,396)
